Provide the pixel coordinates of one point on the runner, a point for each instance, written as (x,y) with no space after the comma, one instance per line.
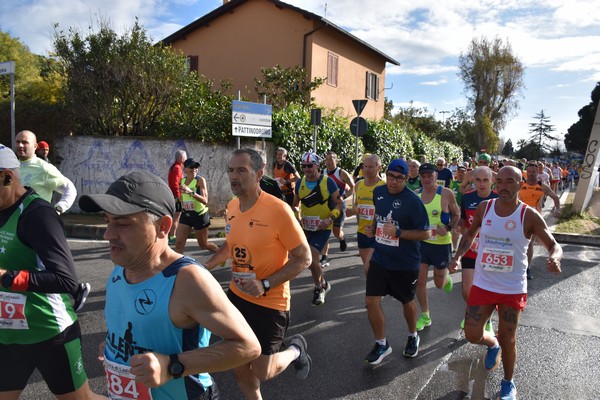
(194,204)
(500,271)
(174,178)
(400,222)
(321,204)
(444,174)
(161,307)
(345,185)
(38,325)
(363,207)
(443,214)
(261,231)
(532,193)
(285,174)
(46,179)
(484,160)
(413,182)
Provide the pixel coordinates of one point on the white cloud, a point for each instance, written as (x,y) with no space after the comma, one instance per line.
(421,69)
(434,83)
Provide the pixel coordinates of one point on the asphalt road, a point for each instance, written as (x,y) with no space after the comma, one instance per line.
(558,338)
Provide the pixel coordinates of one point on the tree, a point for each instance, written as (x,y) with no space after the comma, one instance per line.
(540,133)
(508,150)
(286,85)
(492,78)
(117,85)
(578,134)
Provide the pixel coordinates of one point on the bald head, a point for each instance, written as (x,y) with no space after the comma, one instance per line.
(482,172)
(510,171)
(26,144)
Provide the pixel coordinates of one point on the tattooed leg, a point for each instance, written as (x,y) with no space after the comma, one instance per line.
(507,336)
(475,319)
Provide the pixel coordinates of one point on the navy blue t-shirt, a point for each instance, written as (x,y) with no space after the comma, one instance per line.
(446,176)
(407,213)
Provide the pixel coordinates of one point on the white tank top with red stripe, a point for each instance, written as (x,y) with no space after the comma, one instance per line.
(501,262)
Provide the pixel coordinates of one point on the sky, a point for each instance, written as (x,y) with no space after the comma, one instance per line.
(557,41)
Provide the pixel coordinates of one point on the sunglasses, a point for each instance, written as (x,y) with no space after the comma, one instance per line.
(397,178)
(307,165)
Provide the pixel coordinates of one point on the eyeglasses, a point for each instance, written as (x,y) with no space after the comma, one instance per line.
(307,165)
(440,165)
(397,178)
(483,162)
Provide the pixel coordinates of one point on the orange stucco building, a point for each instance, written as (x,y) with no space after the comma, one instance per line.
(240,37)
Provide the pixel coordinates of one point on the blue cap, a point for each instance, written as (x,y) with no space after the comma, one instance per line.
(398,165)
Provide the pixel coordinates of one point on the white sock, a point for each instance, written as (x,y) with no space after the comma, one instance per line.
(413,334)
(381,342)
(496,345)
(296,351)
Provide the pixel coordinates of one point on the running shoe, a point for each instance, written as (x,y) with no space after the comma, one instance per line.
(378,353)
(423,322)
(324,261)
(412,346)
(343,245)
(492,358)
(320,293)
(83,290)
(508,391)
(462,324)
(303,363)
(172,239)
(489,327)
(448,285)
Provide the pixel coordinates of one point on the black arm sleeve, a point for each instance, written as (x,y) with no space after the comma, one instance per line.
(41,228)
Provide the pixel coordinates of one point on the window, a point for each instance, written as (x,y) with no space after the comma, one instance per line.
(372,87)
(332,69)
(191,63)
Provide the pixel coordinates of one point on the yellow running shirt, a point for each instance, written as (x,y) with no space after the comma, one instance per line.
(364,200)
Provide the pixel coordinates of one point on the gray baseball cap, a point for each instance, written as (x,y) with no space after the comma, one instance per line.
(131,194)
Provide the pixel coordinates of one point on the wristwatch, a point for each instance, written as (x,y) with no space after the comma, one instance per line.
(175,368)
(266,286)
(7,279)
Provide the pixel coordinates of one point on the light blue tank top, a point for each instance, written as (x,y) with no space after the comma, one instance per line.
(137,320)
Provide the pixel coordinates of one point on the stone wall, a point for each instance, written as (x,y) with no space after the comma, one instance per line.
(93,163)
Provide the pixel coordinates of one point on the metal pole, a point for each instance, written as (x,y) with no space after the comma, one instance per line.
(264,143)
(12,110)
(237,140)
(356,155)
(315,138)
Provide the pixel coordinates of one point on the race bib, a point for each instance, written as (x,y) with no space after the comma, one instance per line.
(188,205)
(12,311)
(384,239)
(497,260)
(239,276)
(440,182)
(366,212)
(433,230)
(310,223)
(121,383)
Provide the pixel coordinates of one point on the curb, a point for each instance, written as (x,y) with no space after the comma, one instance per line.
(575,238)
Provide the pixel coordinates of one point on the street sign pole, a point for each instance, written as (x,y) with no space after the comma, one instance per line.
(12,110)
(359,106)
(238,140)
